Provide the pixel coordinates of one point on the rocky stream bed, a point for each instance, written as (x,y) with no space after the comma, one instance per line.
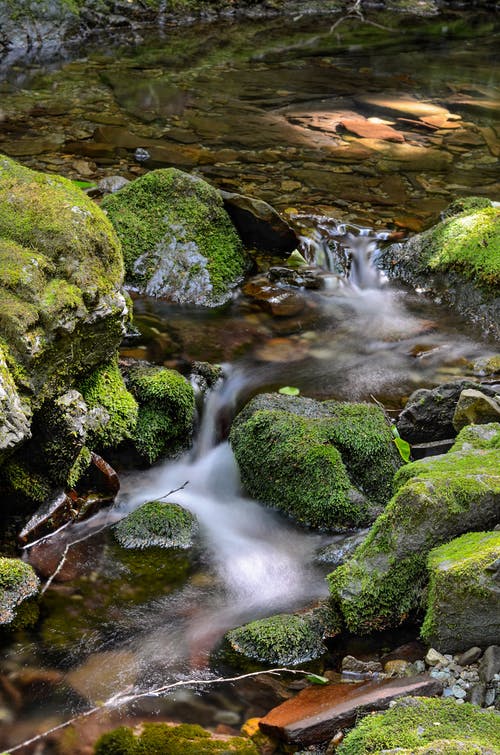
(249,379)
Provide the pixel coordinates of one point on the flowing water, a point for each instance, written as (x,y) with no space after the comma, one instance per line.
(255,107)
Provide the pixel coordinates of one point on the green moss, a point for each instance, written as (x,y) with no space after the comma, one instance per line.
(462,598)
(285,639)
(79,467)
(468,243)
(479,437)
(26,483)
(156,523)
(18,582)
(286,461)
(105,389)
(168,216)
(466,205)
(166,409)
(163,739)
(436,499)
(361,434)
(415,722)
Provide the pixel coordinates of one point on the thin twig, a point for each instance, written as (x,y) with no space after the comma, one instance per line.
(118,700)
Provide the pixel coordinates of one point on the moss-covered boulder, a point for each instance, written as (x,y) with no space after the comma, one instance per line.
(479,437)
(166,410)
(463,599)
(185,739)
(156,523)
(325,464)
(178,241)
(281,640)
(458,259)
(18,583)
(62,313)
(426,726)
(436,499)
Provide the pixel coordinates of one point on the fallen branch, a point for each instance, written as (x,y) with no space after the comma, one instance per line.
(117,701)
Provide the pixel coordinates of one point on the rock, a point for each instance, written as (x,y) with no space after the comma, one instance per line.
(62,312)
(478,437)
(281,640)
(366,128)
(419,726)
(457,262)
(469,656)
(166,410)
(474,408)
(436,499)
(273,298)
(18,583)
(111,184)
(337,552)
(98,677)
(300,456)
(259,225)
(303,277)
(165,738)
(178,241)
(316,713)
(428,414)
(487,366)
(355,666)
(490,664)
(469,565)
(433,657)
(398,668)
(160,524)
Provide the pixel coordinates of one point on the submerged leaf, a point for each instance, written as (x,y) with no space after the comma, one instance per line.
(316,679)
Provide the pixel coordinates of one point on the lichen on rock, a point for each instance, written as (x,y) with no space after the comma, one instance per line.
(178,241)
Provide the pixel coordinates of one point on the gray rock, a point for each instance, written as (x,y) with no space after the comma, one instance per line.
(474,408)
(15,415)
(110,184)
(477,694)
(356,666)
(342,548)
(428,414)
(470,656)
(490,664)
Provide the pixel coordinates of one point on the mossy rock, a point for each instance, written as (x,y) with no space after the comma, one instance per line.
(458,259)
(115,409)
(166,410)
(479,437)
(164,739)
(325,464)
(426,725)
(18,583)
(463,598)
(436,499)
(178,241)
(156,523)
(15,414)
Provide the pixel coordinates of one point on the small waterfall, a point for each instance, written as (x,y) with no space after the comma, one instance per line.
(343,249)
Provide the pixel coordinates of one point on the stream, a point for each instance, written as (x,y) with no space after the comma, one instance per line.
(255,107)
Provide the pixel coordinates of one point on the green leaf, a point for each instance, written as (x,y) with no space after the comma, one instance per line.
(289,390)
(404,448)
(83,184)
(315,679)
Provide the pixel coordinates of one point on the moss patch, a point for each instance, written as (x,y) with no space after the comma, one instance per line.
(117,410)
(18,582)
(414,723)
(186,739)
(166,409)
(178,240)
(156,523)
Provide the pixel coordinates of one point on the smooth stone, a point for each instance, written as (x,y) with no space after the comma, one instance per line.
(474,408)
(433,657)
(470,656)
(317,713)
(490,664)
(259,225)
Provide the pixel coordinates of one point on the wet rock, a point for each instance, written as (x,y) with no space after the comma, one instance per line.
(418,726)
(18,583)
(300,456)
(366,128)
(282,350)
(457,263)
(101,675)
(428,414)
(304,277)
(429,508)
(15,415)
(317,713)
(164,525)
(490,664)
(475,408)
(487,366)
(469,565)
(259,225)
(356,666)
(178,241)
(469,656)
(342,548)
(273,298)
